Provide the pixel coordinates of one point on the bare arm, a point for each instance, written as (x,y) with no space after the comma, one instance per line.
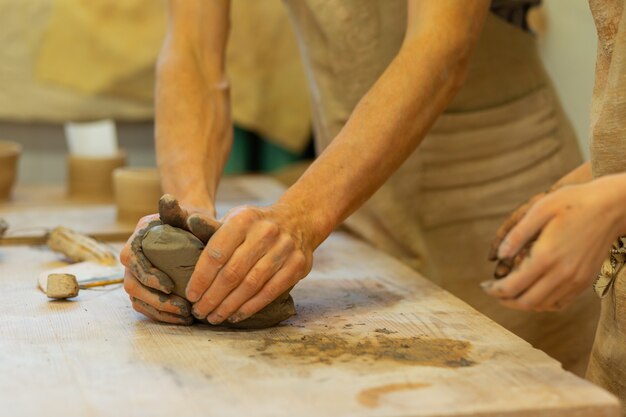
(394,116)
(193,138)
(259,253)
(193,124)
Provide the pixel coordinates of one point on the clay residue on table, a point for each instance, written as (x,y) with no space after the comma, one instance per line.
(370,397)
(333,348)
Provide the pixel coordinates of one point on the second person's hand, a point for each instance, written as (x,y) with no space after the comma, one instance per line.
(576,226)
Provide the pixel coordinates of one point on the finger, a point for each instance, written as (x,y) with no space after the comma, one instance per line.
(525,230)
(155,314)
(256,244)
(293,271)
(262,271)
(509,223)
(162,302)
(202,226)
(141,267)
(531,269)
(505,266)
(504,229)
(536,296)
(214,256)
(141,224)
(172,213)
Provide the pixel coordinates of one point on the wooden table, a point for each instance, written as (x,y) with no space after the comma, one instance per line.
(371,338)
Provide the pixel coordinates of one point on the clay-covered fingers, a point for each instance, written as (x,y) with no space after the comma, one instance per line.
(505,266)
(143,270)
(134,259)
(509,223)
(171,212)
(532,268)
(294,269)
(149,311)
(214,257)
(257,254)
(243,249)
(201,225)
(167,303)
(141,224)
(254,281)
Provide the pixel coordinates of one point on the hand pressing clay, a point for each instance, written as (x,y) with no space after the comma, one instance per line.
(176,252)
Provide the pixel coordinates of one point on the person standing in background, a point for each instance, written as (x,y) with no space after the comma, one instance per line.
(425,170)
(576,226)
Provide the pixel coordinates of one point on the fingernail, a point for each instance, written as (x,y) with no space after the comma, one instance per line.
(192,296)
(215,319)
(486,285)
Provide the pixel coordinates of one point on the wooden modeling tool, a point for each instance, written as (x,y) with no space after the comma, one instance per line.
(62,286)
(79,247)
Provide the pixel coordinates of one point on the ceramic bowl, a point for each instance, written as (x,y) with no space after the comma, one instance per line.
(137,193)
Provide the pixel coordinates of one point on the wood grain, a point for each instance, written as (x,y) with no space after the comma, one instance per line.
(371,338)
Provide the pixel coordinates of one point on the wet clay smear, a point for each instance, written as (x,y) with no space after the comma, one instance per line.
(343,348)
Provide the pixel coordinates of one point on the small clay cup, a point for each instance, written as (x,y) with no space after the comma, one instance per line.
(9,155)
(137,193)
(91,178)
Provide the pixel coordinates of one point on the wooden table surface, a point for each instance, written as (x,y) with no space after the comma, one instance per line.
(371,338)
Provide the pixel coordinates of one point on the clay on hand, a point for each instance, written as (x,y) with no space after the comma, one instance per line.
(175,252)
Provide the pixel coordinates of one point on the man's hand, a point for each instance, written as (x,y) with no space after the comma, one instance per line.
(150,289)
(576,226)
(254,257)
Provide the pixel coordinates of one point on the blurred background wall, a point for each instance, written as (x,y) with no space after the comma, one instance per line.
(568,48)
(43,82)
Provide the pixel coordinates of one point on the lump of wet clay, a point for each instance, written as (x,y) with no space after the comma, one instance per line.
(176,252)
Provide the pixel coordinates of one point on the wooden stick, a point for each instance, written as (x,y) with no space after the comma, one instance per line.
(101,283)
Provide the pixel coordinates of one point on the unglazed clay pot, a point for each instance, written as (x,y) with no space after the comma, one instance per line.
(137,193)
(9,156)
(91,178)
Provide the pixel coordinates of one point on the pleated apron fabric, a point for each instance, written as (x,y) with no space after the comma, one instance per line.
(502,140)
(607,366)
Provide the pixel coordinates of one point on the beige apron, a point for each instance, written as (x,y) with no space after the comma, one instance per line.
(503,139)
(607,366)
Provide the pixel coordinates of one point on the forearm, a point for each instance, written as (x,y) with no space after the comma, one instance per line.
(192,110)
(383,130)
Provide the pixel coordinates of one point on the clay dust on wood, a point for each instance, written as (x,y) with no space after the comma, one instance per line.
(334,348)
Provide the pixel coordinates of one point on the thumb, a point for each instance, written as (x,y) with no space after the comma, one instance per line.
(202,226)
